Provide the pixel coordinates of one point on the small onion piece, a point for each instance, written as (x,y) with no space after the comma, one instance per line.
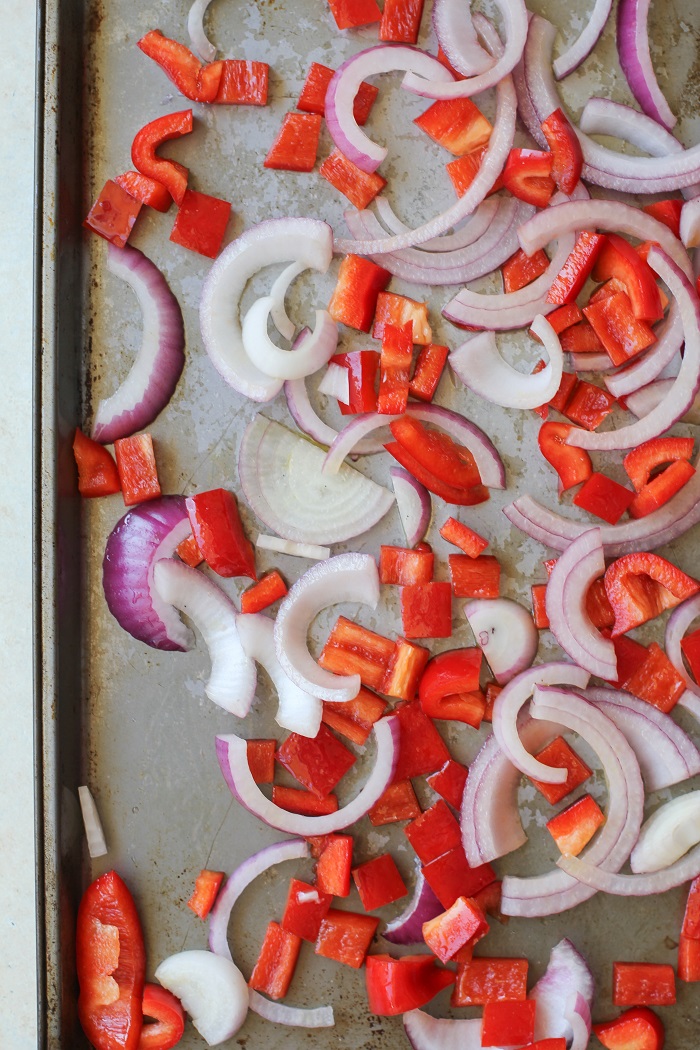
(577,1013)
(566,977)
(309,354)
(581,48)
(349,436)
(155,373)
(195,28)
(642,401)
(457,37)
(425,1032)
(336,383)
(690,223)
(278,311)
(414,504)
(308,421)
(212,990)
(312,551)
(344,578)
(668,834)
(94,833)
(470,230)
(506,634)
(635,59)
(407,927)
(678,623)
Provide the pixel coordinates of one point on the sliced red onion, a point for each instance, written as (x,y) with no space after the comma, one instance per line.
(581,48)
(94,833)
(506,634)
(232,681)
(310,353)
(407,927)
(336,383)
(574,572)
(456,35)
(470,230)
(567,976)
(668,834)
(342,126)
(304,241)
(480,366)
(414,504)
(678,623)
(142,537)
(586,872)
(642,401)
(305,417)
(154,374)
(195,27)
(212,990)
(635,59)
(278,312)
(509,703)
(312,551)
(577,1013)
(652,363)
(232,754)
(345,578)
(349,436)
(690,223)
(297,710)
(426,1032)
(591,363)
(281,476)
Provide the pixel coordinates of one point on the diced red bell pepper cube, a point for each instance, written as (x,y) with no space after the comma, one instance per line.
(605,498)
(521,269)
(360,187)
(619,259)
(561,319)
(398,310)
(561,755)
(461,497)
(296,145)
(690,646)
(200,224)
(143,151)
(508,1023)
(462,536)
(462,707)
(434,832)
(539,605)
(454,671)
(206,887)
(379,882)
(318,763)
(577,268)
(334,866)
(641,585)
(313,94)
(274,969)
(547,1044)
(475,577)
(598,607)
(569,383)
(398,802)
(661,488)
(454,928)
(426,610)
(305,910)
(630,656)
(97,471)
(688,959)
(574,827)
(450,876)
(668,212)
(189,552)
(243,83)
(269,589)
(573,465)
(449,782)
(528,176)
(351,13)
(492,691)
(397,985)
(167,1019)
(622,334)
(401,21)
(346,936)
(304,802)
(464,170)
(144,189)
(635,1029)
(261,760)
(354,718)
(193,80)
(218,530)
(113,214)
(567,155)
(643,460)
(489,980)
(430,364)
(394,368)
(136,464)
(457,124)
(404,565)
(643,984)
(363,368)
(354,300)
(422,750)
(405,670)
(451,463)
(655,679)
(589,405)
(580,339)
(352,649)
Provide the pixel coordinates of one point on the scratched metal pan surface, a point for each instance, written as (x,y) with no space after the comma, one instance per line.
(134,723)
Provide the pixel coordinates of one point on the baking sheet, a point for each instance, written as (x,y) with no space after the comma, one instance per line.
(134,723)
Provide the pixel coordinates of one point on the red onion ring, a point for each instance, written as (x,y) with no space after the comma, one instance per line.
(641,402)
(456,35)
(466,233)
(506,634)
(635,59)
(566,978)
(425,1032)
(306,418)
(581,48)
(413,503)
(588,874)
(407,927)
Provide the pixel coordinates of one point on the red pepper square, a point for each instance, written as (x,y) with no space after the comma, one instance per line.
(449,782)
(434,832)
(508,1023)
(488,980)
(346,936)
(113,214)
(475,577)
(589,405)
(605,498)
(560,755)
(643,984)
(379,882)
(574,827)
(334,865)
(398,802)
(305,910)
(317,763)
(422,750)
(446,934)
(426,610)
(690,646)
(450,876)
(261,759)
(276,963)
(200,223)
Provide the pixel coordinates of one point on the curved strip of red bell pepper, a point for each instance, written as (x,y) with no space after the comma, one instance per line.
(571,469)
(640,463)
(143,151)
(145,189)
(192,79)
(567,162)
(633,599)
(395,986)
(461,497)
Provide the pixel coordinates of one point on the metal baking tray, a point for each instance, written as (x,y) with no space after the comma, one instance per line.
(132,722)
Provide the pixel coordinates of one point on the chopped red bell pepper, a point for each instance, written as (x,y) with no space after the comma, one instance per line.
(447,933)
(568,385)
(354,301)
(622,334)
(426,610)
(274,969)
(243,83)
(113,214)
(449,782)
(261,760)
(539,605)
(363,368)
(454,671)
(399,310)
(489,980)
(508,1023)
(434,832)
(143,151)
(136,464)
(577,268)
(567,155)
(144,189)
(398,802)
(313,94)
(521,269)
(561,755)
(460,497)
(193,80)
(97,471)
(598,607)
(457,124)
(451,463)
(395,986)
(352,649)
(269,589)
(354,718)
(189,552)
(460,535)
(630,656)
(394,368)
(351,13)
(561,319)
(464,170)
(635,1029)
(643,460)
(654,679)
(469,708)
(406,667)
(401,21)
(296,144)
(661,488)
(688,959)
(528,176)
(200,224)
(218,530)
(404,565)
(475,577)
(305,910)
(360,187)
(605,498)
(318,763)
(641,585)
(589,405)
(619,259)
(547,1044)
(334,866)
(206,888)
(643,984)
(574,827)
(421,750)
(580,339)
(668,212)
(379,882)
(450,876)
(573,465)
(304,802)
(346,936)
(166,1023)
(492,691)
(111,964)
(691,651)
(430,364)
